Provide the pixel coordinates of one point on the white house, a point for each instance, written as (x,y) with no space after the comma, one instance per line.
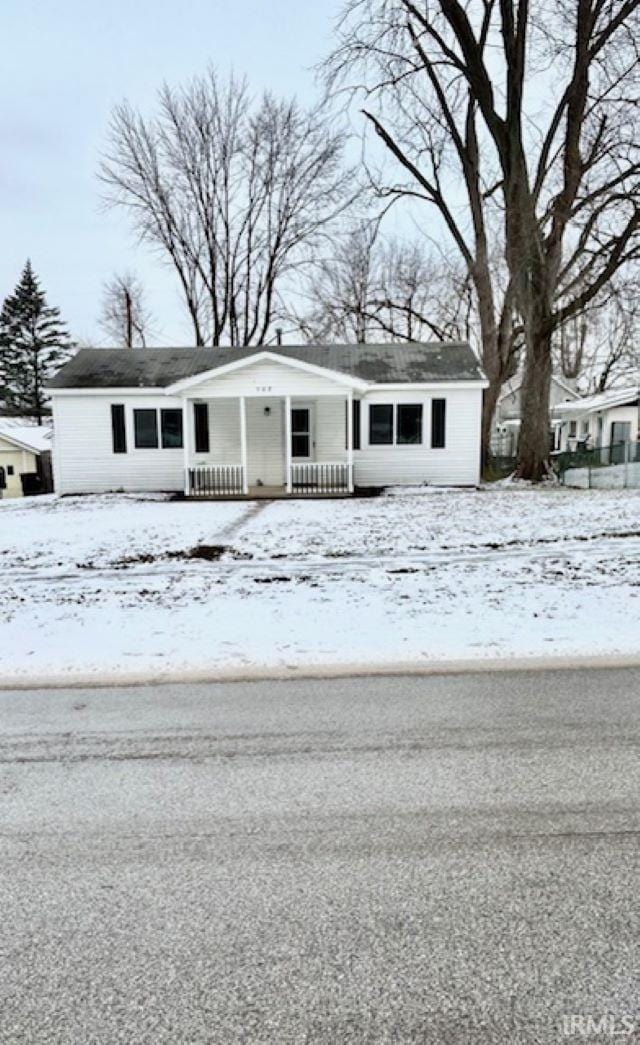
(610,418)
(508,413)
(21,447)
(290,420)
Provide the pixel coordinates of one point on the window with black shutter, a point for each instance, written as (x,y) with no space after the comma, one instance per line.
(171,429)
(201,425)
(145,425)
(118,430)
(438,423)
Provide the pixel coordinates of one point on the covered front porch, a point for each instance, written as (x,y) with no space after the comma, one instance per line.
(268,446)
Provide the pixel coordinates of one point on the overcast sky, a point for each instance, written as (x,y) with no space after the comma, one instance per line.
(65,64)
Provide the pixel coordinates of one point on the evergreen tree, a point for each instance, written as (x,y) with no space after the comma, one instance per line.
(34,342)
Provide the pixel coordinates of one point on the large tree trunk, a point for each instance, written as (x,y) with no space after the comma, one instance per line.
(533,443)
(489,402)
(495,360)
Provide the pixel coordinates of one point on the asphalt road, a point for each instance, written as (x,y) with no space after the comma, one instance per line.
(447,859)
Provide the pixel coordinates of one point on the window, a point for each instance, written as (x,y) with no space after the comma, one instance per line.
(573,429)
(10,469)
(438,423)
(201,425)
(118,430)
(380,424)
(301,432)
(145,423)
(171,427)
(409,423)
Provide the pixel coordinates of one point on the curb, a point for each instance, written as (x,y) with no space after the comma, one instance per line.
(288,673)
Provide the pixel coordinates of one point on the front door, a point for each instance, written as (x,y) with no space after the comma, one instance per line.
(620,434)
(302,443)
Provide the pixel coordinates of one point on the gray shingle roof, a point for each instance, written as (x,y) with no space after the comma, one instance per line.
(160,367)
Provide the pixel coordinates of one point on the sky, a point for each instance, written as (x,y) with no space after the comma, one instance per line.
(65,65)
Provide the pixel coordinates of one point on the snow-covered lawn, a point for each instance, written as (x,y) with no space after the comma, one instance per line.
(143,586)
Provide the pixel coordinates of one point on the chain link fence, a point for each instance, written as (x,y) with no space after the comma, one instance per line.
(613,467)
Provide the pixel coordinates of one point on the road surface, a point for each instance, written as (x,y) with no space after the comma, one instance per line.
(445,859)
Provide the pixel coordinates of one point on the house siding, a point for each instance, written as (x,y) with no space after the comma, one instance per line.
(588,425)
(22,462)
(84,460)
(457,464)
(83,457)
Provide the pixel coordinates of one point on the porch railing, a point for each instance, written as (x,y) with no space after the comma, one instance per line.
(316,477)
(219,480)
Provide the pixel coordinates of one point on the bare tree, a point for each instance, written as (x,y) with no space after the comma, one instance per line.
(547,94)
(432,134)
(375,288)
(125,317)
(601,347)
(234,193)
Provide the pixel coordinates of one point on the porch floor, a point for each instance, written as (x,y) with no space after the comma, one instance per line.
(257,493)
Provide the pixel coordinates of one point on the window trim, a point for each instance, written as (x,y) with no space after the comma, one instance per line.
(171,410)
(401,406)
(394,424)
(309,433)
(146,410)
(387,406)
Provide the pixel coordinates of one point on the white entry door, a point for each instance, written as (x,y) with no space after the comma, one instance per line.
(265,442)
(302,437)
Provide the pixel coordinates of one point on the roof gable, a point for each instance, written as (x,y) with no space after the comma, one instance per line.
(259,356)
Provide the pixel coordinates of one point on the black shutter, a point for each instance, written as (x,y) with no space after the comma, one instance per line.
(356,424)
(201,423)
(438,423)
(118,430)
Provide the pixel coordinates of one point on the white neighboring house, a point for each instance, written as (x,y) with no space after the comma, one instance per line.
(508,414)
(21,447)
(610,418)
(289,420)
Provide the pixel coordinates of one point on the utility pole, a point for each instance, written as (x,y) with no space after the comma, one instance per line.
(128,304)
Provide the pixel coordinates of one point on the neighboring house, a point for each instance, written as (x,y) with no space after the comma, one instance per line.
(22,450)
(508,414)
(607,419)
(289,420)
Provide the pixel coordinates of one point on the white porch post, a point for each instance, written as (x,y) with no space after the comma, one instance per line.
(186,442)
(350,440)
(287,440)
(243,444)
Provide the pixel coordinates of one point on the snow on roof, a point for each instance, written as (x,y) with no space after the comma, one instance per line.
(600,401)
(36,438)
